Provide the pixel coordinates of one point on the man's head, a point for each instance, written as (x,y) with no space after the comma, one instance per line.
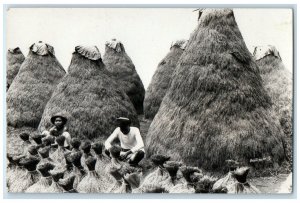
(59,121)
(124,124)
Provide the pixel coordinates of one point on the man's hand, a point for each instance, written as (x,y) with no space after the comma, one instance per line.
(123,155)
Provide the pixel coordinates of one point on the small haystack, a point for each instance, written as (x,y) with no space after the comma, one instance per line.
(14,59)
(56,174)
(90,98)
(278,82)
(123,70)
(216,107)
(33,86)
(162,78)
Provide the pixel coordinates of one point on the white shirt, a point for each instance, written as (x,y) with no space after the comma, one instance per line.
(133,140)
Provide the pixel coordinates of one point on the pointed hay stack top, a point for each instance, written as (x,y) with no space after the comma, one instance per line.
(90,98)
(278,82)
(162,78)
(216,107)
(14,59)
(33,86)
(121,66)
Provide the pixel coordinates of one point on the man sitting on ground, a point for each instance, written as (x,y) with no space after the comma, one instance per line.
(131,142)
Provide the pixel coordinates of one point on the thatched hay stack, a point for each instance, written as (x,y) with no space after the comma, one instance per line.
(89,98)
(33,86)
(162,79)
(216,108)
(123,70)
(14,59)
(278,82)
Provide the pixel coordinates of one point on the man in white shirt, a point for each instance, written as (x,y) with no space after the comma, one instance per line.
(131,142)
(58,129)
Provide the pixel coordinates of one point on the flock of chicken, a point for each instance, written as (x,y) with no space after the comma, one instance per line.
(44,165)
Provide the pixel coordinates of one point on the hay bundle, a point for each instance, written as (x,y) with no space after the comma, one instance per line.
(205,184)
(56,175)
(44,154)
(68,184)
(78,169)
(20,184)
(278,82)
(123,70)
(103,163)
(160,177)
(92,182)
(33,152)
(14,59)
(162,78)
(90,97)
(45,181)
(25,143)
(37,138)
(10,169)
(241,185)
(58,155)
(86,149)
(75,144)
(33,86)
(216,107)
(68,167)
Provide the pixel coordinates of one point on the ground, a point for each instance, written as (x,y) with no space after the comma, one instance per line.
(269,183)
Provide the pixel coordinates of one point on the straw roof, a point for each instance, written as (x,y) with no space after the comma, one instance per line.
(33,87)
(278,82)
(123,70)
(14,59)
(216,107)
(89,98)
(162,79)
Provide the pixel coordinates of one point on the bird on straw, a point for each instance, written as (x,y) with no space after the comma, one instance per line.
(68,184)
(45,181)
(20,184)
(92,182)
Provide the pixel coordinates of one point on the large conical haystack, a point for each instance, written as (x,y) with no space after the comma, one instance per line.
(14,59)
(216,108)
(278,82)
(89,97)
(122,68)
(162,79)
(33,86)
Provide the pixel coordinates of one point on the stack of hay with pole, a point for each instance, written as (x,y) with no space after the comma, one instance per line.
(32,88)
(14,60)
(278,82)
(89,97)
(162,79)
(123,70)
(216,107)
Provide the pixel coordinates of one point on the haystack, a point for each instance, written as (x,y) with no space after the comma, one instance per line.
(162,79)
(14,59)
(216,107)
(89,97)
(33,86)
(278,82)
(123,70)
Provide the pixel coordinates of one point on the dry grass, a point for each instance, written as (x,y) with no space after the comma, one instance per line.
(124,72)
(216,108)
(160,82)
(14,59)
(90,99)
(31,89)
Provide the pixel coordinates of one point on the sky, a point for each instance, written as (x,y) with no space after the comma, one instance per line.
(146,33)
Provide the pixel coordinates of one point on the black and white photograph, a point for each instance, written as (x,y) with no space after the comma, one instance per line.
(149,100)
